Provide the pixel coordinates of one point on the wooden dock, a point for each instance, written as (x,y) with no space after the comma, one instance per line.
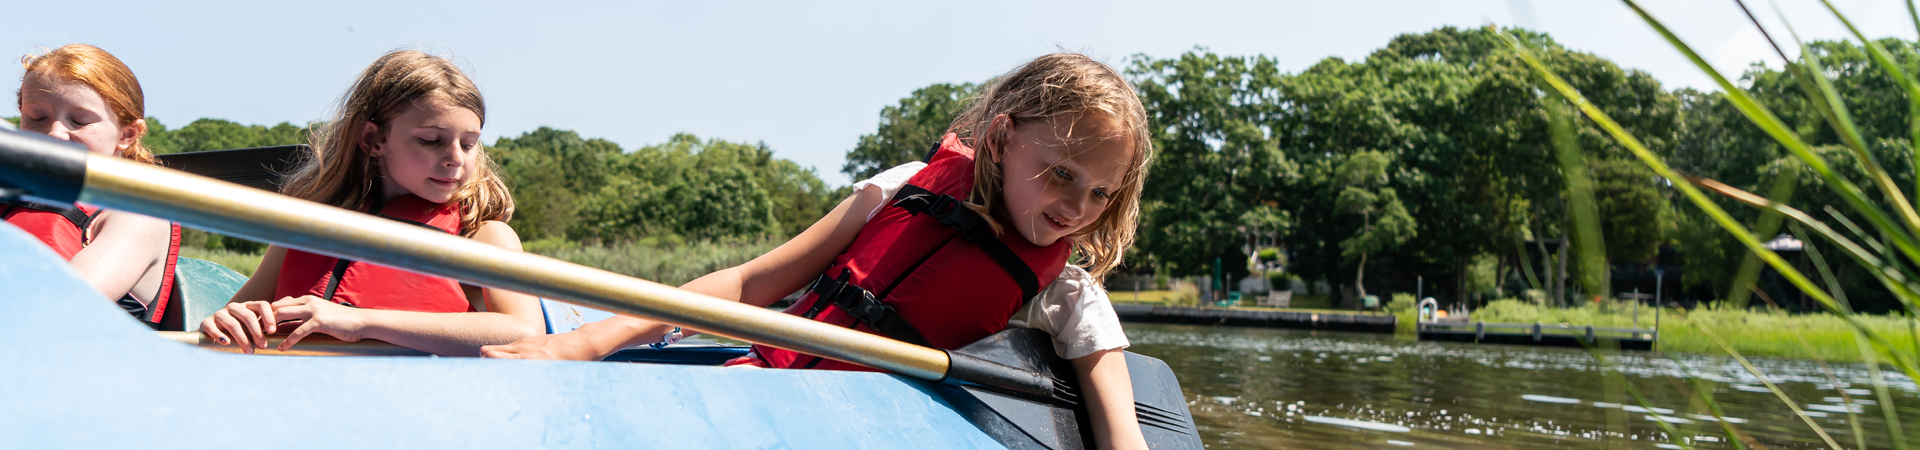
(1552,335)
(1311,320)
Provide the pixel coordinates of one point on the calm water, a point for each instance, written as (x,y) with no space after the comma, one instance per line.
(1261,388)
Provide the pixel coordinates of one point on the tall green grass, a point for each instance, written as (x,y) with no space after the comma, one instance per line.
(241,262)
(1760,332)
(1891,236)
(669,263)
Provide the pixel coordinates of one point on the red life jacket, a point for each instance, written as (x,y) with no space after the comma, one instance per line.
(66,230)
(926,270)
(373,286)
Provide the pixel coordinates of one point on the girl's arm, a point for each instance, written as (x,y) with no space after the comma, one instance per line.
(126,248)
(1108,388)
(759,282)
(507,317)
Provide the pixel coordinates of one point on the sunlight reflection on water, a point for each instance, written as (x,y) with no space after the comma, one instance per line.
(1260,388)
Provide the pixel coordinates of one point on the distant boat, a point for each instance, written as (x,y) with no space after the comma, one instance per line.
(79,373)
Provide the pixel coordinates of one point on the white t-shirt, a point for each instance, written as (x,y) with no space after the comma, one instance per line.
(1074,308)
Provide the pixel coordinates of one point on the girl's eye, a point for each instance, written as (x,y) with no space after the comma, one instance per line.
(466,146)
(1062,174)
(1101,194)
(427,141)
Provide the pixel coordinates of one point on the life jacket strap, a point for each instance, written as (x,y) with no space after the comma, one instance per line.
(340,265)
(79,219)
(860,304)
(973,228)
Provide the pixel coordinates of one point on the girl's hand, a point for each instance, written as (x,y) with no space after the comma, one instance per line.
(246,324)
(565,346)
(310,314)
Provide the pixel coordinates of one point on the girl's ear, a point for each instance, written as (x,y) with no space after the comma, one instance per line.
(996,138)
(369,139)
(131,134)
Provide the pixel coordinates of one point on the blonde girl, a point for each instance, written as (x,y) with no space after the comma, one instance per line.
(405,144)
(1062,149)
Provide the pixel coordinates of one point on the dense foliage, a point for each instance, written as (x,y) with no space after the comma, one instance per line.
(1431,158)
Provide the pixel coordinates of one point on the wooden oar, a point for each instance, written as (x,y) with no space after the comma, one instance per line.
(41,169)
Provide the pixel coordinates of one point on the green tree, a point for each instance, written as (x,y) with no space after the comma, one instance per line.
(1219,169)
(907,130)
(1634,212)
(1385,223)
(217,134)
(549,171)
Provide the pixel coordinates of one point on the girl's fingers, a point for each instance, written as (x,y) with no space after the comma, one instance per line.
(230,326)
(498,352)
(211,328)
(298,333)
(294,313)
(250,322)
(265,311)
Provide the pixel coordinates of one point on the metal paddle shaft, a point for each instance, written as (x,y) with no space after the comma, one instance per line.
(59,172)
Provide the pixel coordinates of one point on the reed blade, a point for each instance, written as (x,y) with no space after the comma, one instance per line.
(1782,395)
(1783,185)
(1884,60)
(1590,245)
(1699,199)
(1901,236)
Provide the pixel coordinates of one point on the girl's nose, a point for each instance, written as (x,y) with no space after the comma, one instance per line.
(58,130)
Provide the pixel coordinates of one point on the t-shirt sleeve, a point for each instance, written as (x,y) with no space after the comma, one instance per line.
(1076,311)
(889,182)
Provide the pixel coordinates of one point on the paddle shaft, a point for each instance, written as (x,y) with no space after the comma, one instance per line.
(44,169)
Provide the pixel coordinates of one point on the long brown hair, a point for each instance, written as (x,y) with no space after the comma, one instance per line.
(105,74)
(341,173)
(1056,86)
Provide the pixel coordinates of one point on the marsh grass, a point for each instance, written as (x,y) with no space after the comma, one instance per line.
(242,262)
(666,263)
(1889,216)
(1751,332)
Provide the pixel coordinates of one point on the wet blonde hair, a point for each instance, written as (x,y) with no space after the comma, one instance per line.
(1063,85)
(105,74)
(341,173)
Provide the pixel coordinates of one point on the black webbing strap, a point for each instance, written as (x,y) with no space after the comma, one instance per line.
(973,228)
(936,149)
(79,218)
(340,264)
(861,305)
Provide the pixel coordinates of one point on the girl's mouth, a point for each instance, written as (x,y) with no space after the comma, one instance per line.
(445,182)
(1056,223)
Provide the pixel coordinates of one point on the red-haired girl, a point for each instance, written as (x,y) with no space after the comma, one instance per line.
(82,94)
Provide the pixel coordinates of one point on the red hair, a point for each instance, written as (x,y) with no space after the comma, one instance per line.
(105,74)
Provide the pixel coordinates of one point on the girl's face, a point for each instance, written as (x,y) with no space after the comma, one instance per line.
(428,151)
(71,111)
(1060,174)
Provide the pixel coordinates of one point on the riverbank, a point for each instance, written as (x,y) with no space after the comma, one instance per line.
(1751,332)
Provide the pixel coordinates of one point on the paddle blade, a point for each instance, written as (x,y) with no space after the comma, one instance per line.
(1061,422)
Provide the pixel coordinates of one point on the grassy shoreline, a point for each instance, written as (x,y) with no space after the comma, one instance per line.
(1752,333)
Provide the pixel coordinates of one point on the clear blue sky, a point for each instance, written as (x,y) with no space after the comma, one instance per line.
(807,79)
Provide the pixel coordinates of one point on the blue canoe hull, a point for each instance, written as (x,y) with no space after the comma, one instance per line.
(77,372)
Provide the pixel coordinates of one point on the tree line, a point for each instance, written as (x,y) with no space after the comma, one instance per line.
(1428,162)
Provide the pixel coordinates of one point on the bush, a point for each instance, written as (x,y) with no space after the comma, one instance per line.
(670,264)
(1402,302)
(243,262)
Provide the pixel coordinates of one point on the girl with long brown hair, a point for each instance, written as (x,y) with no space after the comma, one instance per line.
(946,252)
(405,144)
